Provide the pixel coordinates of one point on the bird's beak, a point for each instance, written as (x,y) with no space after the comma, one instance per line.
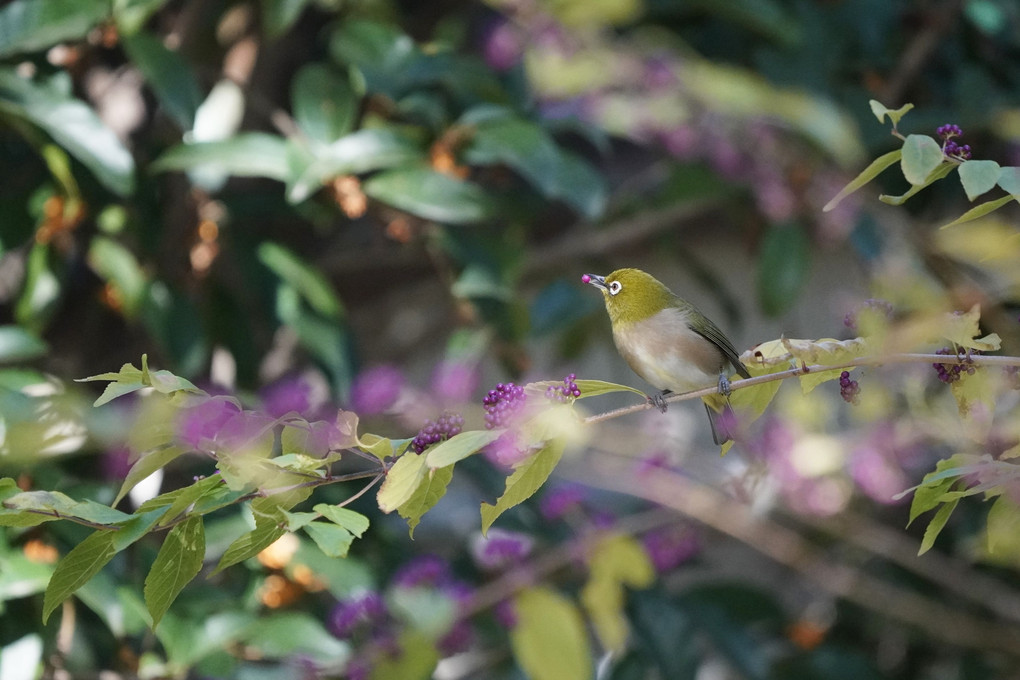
(595,280)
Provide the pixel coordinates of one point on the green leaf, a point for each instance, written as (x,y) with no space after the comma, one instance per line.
(333,540)
(425,497)
(784,262)
(416,659)
(980,211)
(280,15)
(380,447)
(935,526)
(168,74)
(665,632)
(289,635)
(431,195)
(178,562)
(62,505)
(937,174)
(869,173)
(325,107)
(352,521)
(921,155)
(359,152)
(191,495)
(252,543)
(1009,180)
(132,15)
(528,477)
(895,115)
(248,154)
(1002,532)
(978,177)
(32,25)
(18,345)
(78,566)
(308,281)
(460,446)
(402,480)
(73,125)
(592,388)
(118,266)
(550,641)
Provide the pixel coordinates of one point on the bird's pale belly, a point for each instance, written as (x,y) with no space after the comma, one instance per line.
(687,362)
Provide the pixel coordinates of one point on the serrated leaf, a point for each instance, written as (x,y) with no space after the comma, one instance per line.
(402,480)
(332,540)
(191,495)
(352,521)
(460,446)
(921,155)
(615,562)
(252,543)
(1009,180)
(549,641)
(146,464)
(978,177)
(979,211)
(77,567)
(425,497)
(935,526)
(869,173)
(431,195)
(179,560)
(528,477)
(895,115)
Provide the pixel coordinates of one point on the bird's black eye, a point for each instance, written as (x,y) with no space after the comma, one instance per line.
(615,287)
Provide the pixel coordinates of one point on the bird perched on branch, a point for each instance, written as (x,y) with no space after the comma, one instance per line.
(667,341)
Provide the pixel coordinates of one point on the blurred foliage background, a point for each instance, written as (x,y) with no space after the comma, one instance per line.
(386,206)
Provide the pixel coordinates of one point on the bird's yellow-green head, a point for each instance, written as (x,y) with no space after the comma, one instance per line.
(631,295)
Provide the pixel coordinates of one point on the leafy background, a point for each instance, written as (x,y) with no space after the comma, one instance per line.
(386,207)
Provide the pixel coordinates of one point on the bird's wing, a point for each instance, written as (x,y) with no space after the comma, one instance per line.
(712,333)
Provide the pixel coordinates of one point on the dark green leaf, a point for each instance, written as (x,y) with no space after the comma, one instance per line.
(978,177)
(381,53)
(325,106)
(313,287)
(77,567)
(432,195)
(252,543)
(118,266)
(280,15)
(783,265)
(248,154)
(72,125)
(17,345)
(31,25)
(168,74)
(292,634)
(131,15)
(178,562)
(665,631)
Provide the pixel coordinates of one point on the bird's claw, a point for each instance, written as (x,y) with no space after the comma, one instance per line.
(724,386)
(659,400)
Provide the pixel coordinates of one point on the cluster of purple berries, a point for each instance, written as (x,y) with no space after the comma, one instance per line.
(950,147)
(435,431)
(872,305)
(565,392)
(849,389)
(501,404)
(951,373)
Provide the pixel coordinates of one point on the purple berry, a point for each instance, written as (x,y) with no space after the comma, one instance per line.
(501,404)
(565,392)
(849,389)
(433,432)
(950,373)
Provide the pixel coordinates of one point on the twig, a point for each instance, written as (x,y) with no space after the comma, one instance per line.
(902,358)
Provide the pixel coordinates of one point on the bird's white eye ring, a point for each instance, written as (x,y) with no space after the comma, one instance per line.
(615,287)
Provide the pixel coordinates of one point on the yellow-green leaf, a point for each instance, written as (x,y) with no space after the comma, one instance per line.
(528,477)
(936,525)
(332,540)
(550,641)
(352,521)
(616,561)
(460,446)
(178,562)
(980,211)
(895,115)
(978,177)
(402,480)
(425,497)
(921,155)
(869,173)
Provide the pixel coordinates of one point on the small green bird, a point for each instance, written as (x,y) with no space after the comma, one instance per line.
(667,341)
